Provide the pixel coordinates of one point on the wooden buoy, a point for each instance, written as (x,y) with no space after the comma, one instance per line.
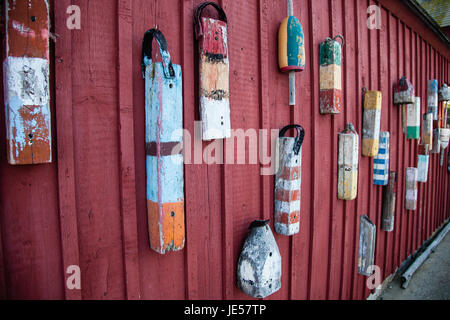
(411,189)
(26,82)
(427,130)
(259,264)
(288,182)
(413,120)
(291,49)
(371,123)
(433,98)
(444,93)
(423,160)
(348,153)
(366,250)
(389,196)
(381,161)
(212,37)
(163,116)
(330,97)
(436,137)
(444,136)
(404,94)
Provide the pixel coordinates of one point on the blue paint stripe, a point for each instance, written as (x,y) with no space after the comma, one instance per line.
(380,161)
(172,183)
(380,182)
(380,172)
(381,151)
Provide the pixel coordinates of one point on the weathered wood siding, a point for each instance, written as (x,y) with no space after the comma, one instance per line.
(89,207)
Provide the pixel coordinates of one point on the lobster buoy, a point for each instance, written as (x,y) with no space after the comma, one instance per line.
(371,123)
(348,152)
(423,160)
(291,48)
(259,264)
(27,82)
(403,95)
(413,119)
(163,117)
(411,189)
(330,97)
(381,161)
(427,130)
(389,196)
(212,37)
(433,98)
(444,93)
(288,182)
(366,250)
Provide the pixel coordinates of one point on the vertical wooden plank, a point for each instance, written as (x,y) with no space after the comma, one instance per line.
(195,193)
(350,96)
(318,284)
(387,18)
(96,151)
(279,90)
(126,149)
(3,289)
(381,252)
(365,192)
(301,114)
(65,140)
(337,207)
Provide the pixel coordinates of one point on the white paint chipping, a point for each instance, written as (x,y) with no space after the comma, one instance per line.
(27,79)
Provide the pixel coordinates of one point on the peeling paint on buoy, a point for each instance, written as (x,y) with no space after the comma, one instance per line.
(371,123)
(411,189)
(348,152)
(389,197)
(427,130)
(288,182)
(366,250)
(381,161)
(212,36)
(26,83)
(330,98)
(163,117)
(433,98)
(423,160)
(259,264)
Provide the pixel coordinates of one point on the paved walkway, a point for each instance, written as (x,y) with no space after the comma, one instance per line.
(430,282)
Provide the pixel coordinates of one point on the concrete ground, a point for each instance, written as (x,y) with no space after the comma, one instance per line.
(430,282)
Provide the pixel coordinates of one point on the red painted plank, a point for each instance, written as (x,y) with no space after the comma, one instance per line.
(126,150)
(337,207)
(100,138)
(95,115)
(301,114)
(65,138)
(322,168)
(381,253)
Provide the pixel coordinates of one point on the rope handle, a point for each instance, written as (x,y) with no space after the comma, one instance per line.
(337,37)
(147,51)
(298,139)
(198,16)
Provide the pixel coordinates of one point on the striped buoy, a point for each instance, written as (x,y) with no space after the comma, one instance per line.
(381,161)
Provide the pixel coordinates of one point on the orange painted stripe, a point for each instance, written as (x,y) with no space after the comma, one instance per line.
(290,173)
(166,228)
(287,196)
(287,218)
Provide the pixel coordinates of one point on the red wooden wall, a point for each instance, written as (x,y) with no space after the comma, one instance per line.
(88,208)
